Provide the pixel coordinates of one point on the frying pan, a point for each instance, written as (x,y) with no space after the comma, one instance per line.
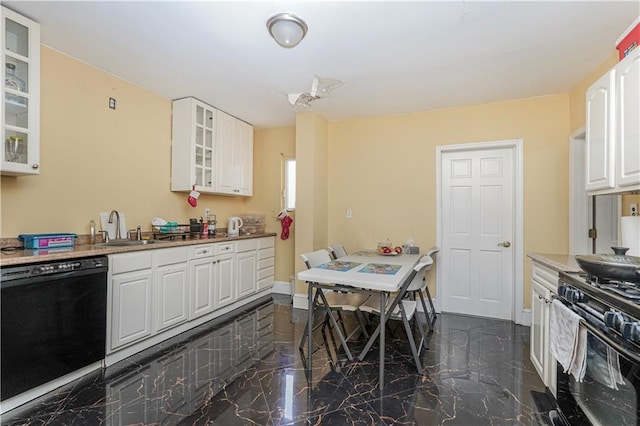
(611,266)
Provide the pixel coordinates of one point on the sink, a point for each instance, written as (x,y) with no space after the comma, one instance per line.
(127,243)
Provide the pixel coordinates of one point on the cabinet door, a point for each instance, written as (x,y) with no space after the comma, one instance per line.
(131,308)
(628,124)
(172,292)
(226,171)
(599,133)
(192,145)
(246,273)
(244,157)
(20,153)
(539,325)
(224,281)
(202,281)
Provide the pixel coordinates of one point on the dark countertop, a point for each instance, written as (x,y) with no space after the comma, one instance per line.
(557,262)
(20,257)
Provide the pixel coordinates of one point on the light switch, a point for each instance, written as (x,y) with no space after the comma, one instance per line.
(348,214)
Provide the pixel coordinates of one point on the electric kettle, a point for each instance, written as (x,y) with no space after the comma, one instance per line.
(233,226)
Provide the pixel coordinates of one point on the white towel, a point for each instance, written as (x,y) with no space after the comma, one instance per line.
(111,227)
(567,340)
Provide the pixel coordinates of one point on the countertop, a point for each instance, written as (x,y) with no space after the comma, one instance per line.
(557,262)
(20,257)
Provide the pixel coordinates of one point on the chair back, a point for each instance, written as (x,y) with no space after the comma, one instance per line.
(337,250)
(316,258)
(425,264)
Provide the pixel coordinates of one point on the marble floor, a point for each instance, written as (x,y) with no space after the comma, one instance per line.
(247,370)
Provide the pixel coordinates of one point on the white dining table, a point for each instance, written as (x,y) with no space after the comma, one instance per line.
(364,271)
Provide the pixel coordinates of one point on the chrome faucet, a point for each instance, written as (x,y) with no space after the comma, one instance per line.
(117,222)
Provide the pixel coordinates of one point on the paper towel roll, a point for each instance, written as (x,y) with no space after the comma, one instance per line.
(630,230)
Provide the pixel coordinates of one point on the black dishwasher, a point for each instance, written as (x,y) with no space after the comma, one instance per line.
(53,321)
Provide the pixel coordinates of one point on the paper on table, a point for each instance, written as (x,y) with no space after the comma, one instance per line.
(111,227)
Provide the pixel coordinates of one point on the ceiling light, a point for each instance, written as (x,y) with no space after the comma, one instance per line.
(287,29)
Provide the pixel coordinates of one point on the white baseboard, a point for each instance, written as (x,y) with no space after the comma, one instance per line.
(525,318)
(300,301)
(281,287)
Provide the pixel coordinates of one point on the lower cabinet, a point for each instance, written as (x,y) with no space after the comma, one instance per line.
(544,286)
(152,291)
(148,293)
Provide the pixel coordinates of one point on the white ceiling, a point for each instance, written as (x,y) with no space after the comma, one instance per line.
(395,57)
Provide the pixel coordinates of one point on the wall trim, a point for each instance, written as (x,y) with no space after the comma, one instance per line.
(281,287)
(300,301)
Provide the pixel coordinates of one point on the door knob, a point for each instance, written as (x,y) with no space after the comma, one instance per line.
(505,244)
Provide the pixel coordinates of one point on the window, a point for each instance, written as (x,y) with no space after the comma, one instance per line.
(289,192)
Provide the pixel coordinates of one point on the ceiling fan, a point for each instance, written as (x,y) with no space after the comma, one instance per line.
(320,88)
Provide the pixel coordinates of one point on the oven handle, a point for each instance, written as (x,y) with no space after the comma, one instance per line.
(615,345)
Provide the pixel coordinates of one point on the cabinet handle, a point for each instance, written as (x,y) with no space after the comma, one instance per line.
(35,166)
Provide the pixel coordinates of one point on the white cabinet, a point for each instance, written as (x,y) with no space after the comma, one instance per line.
(202,267)
(148,293)
(171,287)
(246,263)
(234,155)
(613,129)
(130,293)
(266,262)
(20,154)
(192,155)
(544,286)
(225,273)
(627,122)
(211,150)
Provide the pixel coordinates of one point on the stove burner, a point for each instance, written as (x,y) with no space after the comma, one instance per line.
(625,290)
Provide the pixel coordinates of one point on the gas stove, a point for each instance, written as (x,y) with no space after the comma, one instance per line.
(615,303)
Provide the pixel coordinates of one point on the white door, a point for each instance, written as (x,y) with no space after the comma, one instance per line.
(477,232)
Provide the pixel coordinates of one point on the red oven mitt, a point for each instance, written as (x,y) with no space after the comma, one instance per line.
(286,222)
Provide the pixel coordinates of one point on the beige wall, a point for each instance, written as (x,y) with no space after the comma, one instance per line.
(95,159)
(383,168)
(311,187)
(269,148)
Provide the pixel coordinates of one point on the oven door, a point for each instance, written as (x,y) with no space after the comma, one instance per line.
(611,387)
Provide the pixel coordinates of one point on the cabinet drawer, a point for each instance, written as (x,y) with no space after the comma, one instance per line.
(546,276)
(265,253)
(266,242)
(224,248)
(264,273)
(199,251)
(265,263)
(265,282)
(130,262)
(171,256)
(246,245)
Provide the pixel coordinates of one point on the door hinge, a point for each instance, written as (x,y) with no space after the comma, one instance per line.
(593,233)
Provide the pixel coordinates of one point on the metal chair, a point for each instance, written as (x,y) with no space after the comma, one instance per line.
(401,309)
(421,287)
(337,301)
(337,250)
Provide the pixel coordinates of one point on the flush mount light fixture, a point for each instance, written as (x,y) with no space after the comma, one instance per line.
(287,29)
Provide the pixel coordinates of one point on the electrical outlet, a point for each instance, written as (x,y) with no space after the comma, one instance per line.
(633,209)
(348,214)
(112,103)
(207,212)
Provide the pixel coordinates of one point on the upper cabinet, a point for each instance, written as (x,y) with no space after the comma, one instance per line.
(211,150)
(235,156)
(21,95)
(613,129)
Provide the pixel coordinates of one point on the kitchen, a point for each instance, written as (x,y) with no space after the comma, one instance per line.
(84,143)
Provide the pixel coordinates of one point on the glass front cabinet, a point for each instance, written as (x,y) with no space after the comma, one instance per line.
(21,95)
